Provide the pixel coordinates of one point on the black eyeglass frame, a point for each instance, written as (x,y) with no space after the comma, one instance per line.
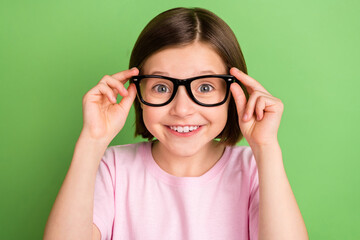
(183,82)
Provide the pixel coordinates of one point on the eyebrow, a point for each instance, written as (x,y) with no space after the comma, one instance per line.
(167,74)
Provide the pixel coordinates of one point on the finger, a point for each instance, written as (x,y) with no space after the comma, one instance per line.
(260,107)
(115,84)
(259,104)
(250,107)
(124,76)
(103,89)
(127,101)
(250,83)
(239,98)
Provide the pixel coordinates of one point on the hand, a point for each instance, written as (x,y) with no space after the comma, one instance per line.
(103,116)
(260,131)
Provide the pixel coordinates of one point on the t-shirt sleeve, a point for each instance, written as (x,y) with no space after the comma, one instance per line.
(103,212)
(254,201)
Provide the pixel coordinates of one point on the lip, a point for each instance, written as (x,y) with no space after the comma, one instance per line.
(188,134)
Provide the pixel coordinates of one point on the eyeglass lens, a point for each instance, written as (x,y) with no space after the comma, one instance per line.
(211,90)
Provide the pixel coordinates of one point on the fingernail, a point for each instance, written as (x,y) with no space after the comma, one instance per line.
(245,117)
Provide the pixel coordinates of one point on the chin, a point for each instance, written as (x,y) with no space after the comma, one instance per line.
(186,149)
(184,152)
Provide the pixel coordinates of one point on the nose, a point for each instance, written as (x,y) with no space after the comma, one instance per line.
(182,105)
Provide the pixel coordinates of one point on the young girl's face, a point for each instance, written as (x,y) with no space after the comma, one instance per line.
(185,62)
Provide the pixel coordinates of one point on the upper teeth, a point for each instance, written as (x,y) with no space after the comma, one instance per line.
(184,129)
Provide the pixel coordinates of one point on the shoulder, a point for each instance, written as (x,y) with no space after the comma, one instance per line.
(240,149)
(125,149)
(120,160)
(242,160)
(127,152)
(244,153)
(242,157)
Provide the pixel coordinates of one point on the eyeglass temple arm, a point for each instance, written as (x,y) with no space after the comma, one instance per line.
(237,81)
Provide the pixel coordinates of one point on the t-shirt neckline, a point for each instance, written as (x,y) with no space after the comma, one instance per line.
(164,176)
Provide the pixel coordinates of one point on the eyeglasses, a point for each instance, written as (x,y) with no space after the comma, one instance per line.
(206,90)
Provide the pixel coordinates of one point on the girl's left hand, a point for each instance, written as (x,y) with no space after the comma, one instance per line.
(264,110)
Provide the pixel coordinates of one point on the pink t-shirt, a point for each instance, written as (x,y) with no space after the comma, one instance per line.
(136,199)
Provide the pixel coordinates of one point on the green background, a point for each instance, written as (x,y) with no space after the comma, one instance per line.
(305,53)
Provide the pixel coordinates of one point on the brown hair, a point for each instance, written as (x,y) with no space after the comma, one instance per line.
(183,26)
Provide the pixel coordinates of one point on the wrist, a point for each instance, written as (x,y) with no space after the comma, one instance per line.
(85,136)
(266,150)
(265,147)
(87,154)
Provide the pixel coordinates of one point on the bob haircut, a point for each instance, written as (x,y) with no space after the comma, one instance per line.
(181,27)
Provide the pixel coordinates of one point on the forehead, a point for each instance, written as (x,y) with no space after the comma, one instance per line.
(185,61)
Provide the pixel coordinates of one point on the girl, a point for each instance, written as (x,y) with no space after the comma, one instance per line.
(193,102)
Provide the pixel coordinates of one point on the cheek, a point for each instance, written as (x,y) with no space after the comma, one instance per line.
(219,116)
(223,116)
(147,117)
(151,117)
(225,110)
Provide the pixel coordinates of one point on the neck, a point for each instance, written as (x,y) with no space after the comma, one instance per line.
(193,165)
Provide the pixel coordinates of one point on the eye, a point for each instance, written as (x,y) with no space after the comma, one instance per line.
(161,88)
(204,88)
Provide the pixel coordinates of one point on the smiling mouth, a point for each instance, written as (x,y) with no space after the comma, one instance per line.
(184,129)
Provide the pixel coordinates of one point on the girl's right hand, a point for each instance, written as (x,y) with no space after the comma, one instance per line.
(103,117)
